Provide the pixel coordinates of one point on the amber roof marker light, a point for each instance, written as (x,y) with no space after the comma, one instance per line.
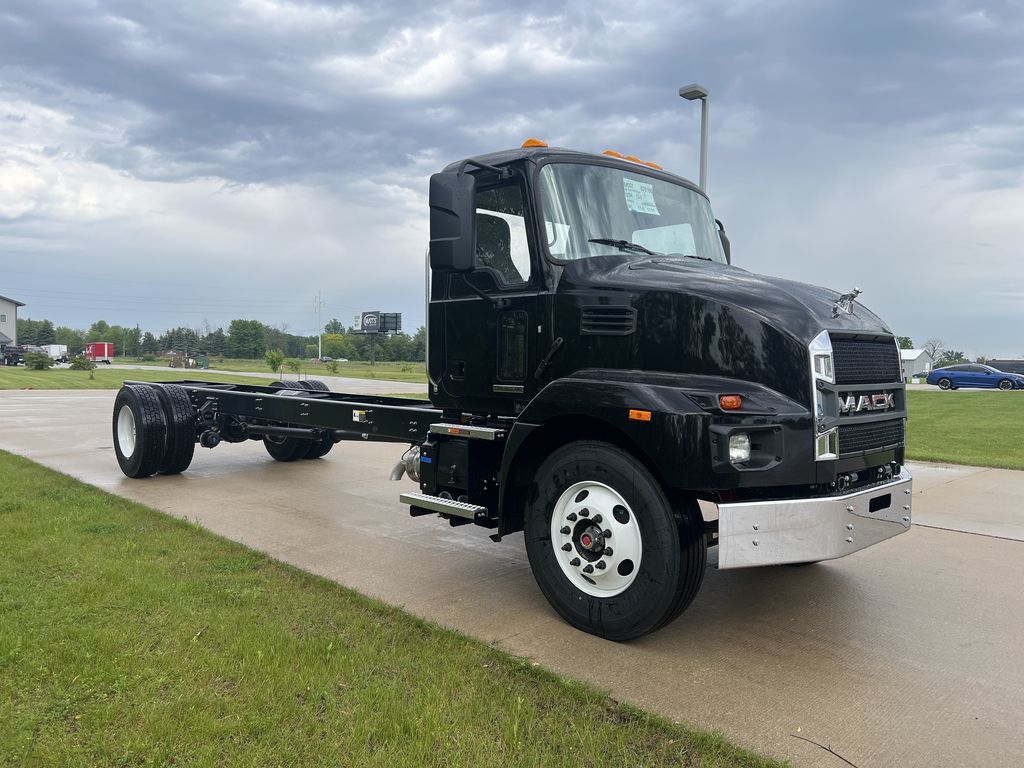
(533,143)
(692,92)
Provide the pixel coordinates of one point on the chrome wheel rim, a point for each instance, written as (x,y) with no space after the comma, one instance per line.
(596,539)
(126,434)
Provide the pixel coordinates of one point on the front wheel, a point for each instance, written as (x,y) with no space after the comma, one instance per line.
(609,550)
(944,383)
(1005,384)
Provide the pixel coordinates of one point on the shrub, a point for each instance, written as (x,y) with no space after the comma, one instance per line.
(149,357)
(79,363)
(294,364)
(332,366)
(38,361)
(274,358)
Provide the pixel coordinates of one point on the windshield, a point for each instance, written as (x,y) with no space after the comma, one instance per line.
(628,212)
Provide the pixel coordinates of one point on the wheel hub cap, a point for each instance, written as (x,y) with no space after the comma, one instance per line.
(596,539)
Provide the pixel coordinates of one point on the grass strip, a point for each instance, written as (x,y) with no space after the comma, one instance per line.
(128,637)
(106,378)
(979,428)
(392,371)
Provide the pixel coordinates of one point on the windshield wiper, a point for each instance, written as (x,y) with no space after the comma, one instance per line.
(623,245)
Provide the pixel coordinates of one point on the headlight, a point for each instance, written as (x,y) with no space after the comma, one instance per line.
(739,447)
(821,358)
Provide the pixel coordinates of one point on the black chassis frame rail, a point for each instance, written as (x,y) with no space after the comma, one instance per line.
(239,410)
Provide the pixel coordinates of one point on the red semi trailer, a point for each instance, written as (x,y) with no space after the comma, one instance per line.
(99,352)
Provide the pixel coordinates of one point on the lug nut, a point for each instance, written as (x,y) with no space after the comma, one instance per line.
(606,534)
(598,519)
(566,530)
(571,517)
(584,513)
(601,565)
(574,562)
(608,551)
(567,547)
(589,569)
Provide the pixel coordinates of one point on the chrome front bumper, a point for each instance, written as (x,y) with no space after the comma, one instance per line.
(807,530)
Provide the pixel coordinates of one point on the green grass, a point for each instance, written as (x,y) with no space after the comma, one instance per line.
(128,637)
(412,371)
(980,428)
(104,378)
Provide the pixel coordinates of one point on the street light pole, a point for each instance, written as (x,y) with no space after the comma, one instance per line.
(690,93)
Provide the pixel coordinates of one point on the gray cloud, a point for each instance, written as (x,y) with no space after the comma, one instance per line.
(882,136)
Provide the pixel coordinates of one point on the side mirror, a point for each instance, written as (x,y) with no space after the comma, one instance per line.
(452,222)
(725,241)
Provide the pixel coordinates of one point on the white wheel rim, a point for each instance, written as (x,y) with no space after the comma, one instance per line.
(581,543)
(126,431)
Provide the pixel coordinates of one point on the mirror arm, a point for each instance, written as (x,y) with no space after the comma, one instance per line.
(503,173)
(477,291)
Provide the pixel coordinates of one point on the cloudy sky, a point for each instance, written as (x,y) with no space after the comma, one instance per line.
(196,161)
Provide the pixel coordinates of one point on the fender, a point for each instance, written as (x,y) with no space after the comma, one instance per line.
(675,441)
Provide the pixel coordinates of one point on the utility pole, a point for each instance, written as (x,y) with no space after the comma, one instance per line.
(319,326)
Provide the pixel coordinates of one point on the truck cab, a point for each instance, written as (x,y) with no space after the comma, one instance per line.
(581,286)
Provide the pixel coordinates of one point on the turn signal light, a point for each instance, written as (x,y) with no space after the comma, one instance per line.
(730,402)
(534,143)
(638,415)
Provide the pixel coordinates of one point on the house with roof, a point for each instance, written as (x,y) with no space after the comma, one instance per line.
(916,362)
(9,321)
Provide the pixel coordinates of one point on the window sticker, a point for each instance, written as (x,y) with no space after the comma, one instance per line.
(640,197)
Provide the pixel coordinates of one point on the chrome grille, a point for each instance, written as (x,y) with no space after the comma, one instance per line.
(872,436)
(866,361)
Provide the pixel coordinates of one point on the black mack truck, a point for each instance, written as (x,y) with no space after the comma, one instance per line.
(596,367)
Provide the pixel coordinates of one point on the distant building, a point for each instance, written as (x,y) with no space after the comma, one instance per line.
(9,321)
(1010,366)
(916,362)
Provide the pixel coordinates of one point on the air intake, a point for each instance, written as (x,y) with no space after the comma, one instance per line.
(607,321)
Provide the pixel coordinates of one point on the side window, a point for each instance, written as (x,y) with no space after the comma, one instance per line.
(502,247)
(3,318)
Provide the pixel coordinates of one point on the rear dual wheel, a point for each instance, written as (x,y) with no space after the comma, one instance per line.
(153,429)
(295,448)
(613,555)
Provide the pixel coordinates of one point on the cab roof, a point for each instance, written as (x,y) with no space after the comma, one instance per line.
(540,154)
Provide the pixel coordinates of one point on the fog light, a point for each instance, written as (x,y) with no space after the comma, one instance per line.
(739,448)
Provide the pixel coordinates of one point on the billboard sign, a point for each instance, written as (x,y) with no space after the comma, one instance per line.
(379,322)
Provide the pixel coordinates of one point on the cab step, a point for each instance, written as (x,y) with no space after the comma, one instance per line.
(424,503)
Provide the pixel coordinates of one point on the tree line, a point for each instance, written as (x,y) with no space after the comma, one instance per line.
(250,339)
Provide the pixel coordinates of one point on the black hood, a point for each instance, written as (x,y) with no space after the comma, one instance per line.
(799,309)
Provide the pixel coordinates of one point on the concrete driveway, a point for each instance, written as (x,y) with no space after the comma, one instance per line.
(906,654)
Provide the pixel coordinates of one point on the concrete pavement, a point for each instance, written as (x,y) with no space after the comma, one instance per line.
(906,654)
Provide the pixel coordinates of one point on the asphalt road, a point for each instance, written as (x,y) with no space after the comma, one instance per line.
(905,654)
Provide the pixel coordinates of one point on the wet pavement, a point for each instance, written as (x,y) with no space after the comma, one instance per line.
(905,654)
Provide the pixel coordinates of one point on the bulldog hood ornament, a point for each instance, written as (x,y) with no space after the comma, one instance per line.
(845,302)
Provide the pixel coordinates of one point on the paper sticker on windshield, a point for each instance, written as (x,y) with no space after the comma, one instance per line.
(640,197)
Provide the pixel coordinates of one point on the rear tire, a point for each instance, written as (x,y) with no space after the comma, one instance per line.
(140,430)
(944,383)
(181,428)
(315,385)
(286,448)
(625,599)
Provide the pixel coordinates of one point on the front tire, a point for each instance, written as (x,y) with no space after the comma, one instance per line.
(1005,384)
(140,430)
(654,557)
(944,383)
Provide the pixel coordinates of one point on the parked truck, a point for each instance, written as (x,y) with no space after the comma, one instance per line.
(57,352)
(597,366)
(100,352)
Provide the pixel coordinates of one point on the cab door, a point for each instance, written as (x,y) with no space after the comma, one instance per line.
(492,315)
